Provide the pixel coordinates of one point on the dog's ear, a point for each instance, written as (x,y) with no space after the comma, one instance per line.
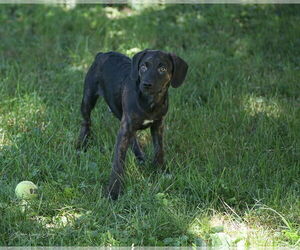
(180,68)
(135,65)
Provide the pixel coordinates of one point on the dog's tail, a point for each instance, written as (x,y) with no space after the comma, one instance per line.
(98,55)
(92,77)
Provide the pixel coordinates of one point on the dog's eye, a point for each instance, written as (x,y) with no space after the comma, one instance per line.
(162,69)
(143,68)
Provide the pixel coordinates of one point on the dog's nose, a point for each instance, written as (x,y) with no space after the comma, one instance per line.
(147,84)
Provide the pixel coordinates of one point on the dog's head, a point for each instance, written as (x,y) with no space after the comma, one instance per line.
(155,70)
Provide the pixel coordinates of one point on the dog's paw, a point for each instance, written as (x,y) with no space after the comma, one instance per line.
(81,144)
(114,190)
(112,194)
(141,160)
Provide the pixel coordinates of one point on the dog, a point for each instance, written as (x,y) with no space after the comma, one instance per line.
(136,92)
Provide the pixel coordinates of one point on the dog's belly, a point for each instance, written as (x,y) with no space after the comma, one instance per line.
(113,100)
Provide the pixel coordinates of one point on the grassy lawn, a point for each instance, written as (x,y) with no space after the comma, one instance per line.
(231,139)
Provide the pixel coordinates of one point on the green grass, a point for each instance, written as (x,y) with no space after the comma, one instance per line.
(231,137)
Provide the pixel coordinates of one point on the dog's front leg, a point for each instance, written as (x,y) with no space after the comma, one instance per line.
(157,137)
(123,140)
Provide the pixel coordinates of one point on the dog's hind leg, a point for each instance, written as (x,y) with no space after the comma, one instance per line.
(90,95)
(88,103)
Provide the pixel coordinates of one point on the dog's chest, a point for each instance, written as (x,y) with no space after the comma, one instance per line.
(147,122)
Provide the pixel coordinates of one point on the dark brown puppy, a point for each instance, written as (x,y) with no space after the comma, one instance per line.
(137,93)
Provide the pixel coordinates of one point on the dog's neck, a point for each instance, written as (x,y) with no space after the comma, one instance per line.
(149,103)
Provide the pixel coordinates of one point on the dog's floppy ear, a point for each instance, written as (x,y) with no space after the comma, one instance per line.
(180,68)
(135,65)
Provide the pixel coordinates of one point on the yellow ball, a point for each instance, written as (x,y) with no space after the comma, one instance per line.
(26,190)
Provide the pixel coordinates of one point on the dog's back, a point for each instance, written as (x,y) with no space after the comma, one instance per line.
(107,75)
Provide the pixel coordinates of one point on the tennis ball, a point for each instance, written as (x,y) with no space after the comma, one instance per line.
(26,190)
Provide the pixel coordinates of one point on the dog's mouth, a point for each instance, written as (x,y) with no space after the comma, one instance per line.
(148,90)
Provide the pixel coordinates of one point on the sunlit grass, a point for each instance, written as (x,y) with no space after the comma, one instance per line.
(66,217)
(3,140)
(261,105)
(24,114)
